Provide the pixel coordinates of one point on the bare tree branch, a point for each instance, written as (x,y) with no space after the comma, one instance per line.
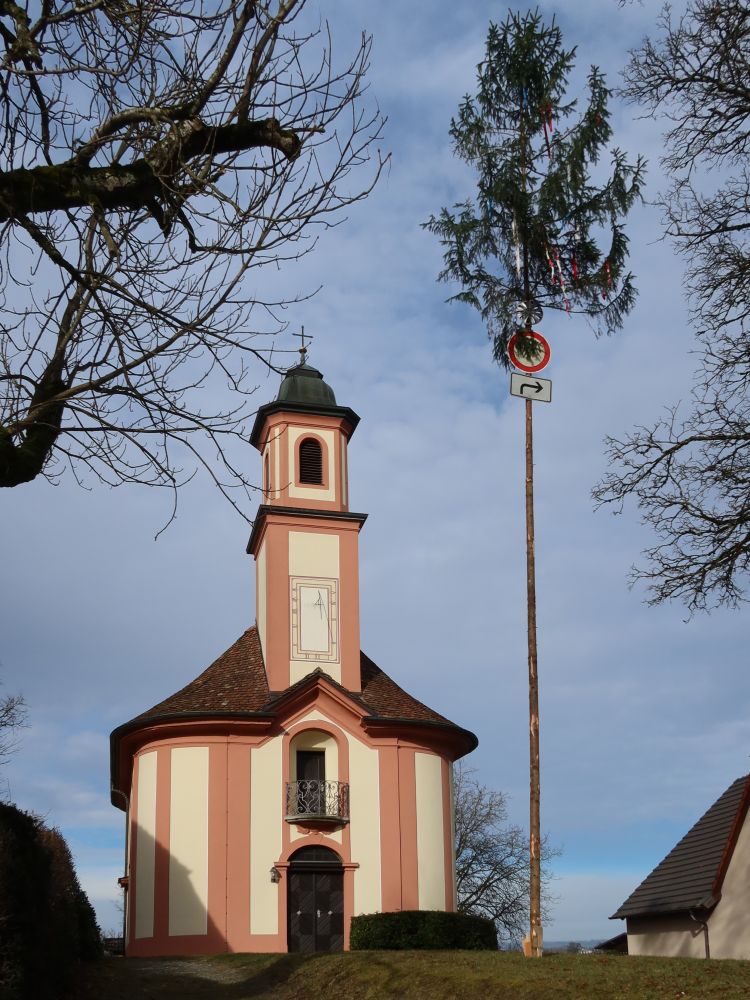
(154,157)
(12,718)
(492,858)
(690,473)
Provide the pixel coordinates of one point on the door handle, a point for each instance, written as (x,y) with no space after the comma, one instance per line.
(299,913)
(330,913)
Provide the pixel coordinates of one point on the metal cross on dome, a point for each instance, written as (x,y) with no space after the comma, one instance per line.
(303,348)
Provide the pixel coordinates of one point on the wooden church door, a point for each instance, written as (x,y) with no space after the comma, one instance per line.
(315,901)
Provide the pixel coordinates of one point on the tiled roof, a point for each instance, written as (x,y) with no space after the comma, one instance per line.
(236,683)
(690,876)
(389,701)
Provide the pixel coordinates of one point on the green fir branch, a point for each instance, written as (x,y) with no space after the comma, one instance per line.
(533,153)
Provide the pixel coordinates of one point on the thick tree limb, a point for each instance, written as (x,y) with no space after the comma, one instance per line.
(134,185)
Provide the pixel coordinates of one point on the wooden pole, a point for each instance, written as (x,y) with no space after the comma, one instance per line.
(535,882)
(535,901)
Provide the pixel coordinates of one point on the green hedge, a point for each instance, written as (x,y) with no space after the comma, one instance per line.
(47,924)
(410,929)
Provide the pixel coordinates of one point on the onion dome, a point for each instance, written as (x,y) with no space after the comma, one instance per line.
(303,391)
(304,384)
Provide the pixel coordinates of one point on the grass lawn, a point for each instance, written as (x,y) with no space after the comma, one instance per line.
(424,975)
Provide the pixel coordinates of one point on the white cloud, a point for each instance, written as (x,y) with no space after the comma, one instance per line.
(643,716)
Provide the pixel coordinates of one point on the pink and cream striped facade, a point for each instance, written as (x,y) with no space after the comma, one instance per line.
(205,774)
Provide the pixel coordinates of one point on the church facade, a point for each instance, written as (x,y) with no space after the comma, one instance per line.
(292,784)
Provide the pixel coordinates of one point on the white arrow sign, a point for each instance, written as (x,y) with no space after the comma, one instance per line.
(531,387)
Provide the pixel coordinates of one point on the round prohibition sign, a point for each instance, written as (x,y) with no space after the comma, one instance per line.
(541,351)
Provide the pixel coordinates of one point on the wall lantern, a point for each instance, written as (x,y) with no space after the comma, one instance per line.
(275,875)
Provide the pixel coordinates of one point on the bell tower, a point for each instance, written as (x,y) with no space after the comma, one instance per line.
(304,538)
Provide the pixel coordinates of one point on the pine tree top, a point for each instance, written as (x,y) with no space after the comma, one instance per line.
(540,233)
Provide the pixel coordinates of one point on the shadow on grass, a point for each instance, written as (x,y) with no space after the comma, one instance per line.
(278,970)
(226,978)
(416,976)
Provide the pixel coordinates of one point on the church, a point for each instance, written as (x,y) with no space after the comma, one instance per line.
(293,783)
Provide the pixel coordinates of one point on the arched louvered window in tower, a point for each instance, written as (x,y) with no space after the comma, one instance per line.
(311,462)
(267,477)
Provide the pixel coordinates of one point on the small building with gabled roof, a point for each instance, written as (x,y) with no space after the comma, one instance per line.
(293,783)
(696,902)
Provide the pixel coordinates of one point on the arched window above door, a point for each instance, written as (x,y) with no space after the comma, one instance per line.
(315,856)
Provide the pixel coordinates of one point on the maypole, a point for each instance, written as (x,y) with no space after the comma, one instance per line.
(535,874)
(541,235)
(534,946)
(523,385)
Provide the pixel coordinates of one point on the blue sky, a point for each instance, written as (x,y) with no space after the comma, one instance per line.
(644,715)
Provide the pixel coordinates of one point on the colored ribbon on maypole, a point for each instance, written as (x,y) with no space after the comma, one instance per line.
(556,275)
(546,114)
(551,263)
(563,289)
(573,260)
(516,245)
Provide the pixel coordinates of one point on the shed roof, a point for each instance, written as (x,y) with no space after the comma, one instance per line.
(691,875)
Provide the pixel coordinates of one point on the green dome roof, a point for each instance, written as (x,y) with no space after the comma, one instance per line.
(303,391)
(304,384)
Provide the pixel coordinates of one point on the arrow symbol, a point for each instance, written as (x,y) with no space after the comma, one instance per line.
(530,388)
(535,386)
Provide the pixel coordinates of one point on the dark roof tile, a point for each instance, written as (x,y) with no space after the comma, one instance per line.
(389,701)
(691,874)
(236,682)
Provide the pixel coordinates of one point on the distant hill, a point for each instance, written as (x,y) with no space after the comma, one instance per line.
(563,945)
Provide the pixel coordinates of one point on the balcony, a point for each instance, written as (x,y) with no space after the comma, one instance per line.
(317,802)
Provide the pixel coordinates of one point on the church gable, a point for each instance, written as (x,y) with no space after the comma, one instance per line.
(236,683)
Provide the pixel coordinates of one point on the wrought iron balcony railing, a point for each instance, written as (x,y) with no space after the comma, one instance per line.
(318,800)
